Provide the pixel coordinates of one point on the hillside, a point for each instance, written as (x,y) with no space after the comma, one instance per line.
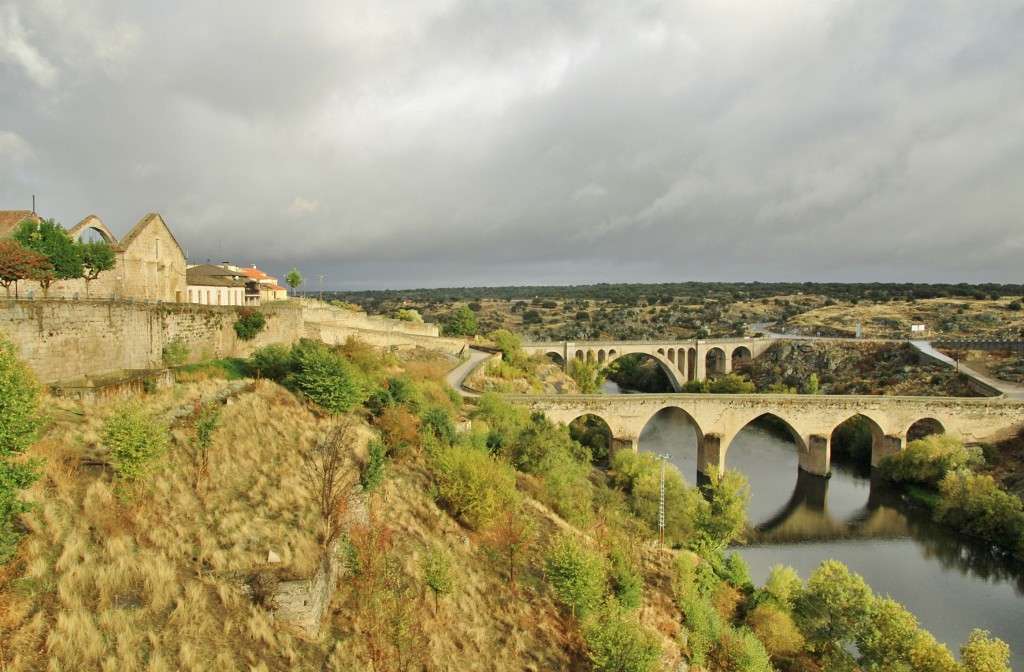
(489,541)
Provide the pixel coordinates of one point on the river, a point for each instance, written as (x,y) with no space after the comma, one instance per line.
(951,584)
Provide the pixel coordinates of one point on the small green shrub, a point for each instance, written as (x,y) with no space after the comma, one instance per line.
(373,473)
(436,569)
(136,439)
(328,379)
(176,351)
(927,460)
(474,485)
(273,361)
(617,642)
(576,572)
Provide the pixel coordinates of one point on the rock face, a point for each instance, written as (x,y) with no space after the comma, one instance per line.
(854,368)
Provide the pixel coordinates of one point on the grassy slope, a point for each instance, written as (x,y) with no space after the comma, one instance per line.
(155,585)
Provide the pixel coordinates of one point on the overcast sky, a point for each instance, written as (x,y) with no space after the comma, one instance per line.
(433,143)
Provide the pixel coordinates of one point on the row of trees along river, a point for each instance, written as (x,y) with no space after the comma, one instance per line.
(952,583)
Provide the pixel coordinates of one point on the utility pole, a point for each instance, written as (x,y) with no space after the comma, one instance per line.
(321,288)
(661,502)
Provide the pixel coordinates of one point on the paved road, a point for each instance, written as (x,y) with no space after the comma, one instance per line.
(457,376)
(1011,390)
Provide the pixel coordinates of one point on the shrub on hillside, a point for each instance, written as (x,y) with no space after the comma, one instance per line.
(638,475)
(576,572)
(137,441)
(329,380)
(20,419)
(617,642)
(474,485)
(273,362)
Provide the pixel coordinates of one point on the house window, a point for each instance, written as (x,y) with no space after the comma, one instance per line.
(157,248)
(190,296)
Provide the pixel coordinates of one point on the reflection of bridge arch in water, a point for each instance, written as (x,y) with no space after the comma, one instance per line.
(805,517)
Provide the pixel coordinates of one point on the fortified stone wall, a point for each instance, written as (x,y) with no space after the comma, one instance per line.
(64,340)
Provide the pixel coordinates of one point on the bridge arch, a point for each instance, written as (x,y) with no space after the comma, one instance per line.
(777,421)
(861,437)
(556,357)
(740,356)
(924,427)
(715,362)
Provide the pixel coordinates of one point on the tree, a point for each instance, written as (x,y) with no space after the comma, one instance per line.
(981,654)
(887,638)
(331,477)
(576,572)
(510,536)
(50,239)
(20,419)
(462,322)
(722,518)
(18,262)
(436,568)
(293,279)
(97,257)
(832,611)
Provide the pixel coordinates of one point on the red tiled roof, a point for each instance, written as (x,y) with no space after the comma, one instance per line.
(10,219)
(255,274)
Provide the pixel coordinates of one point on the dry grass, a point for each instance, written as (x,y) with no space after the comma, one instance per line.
(943,318)
(103,585)
(152,584)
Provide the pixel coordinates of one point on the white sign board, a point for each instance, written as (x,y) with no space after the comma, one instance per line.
(917,327)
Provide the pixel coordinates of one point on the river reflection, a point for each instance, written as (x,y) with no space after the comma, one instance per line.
(950,582)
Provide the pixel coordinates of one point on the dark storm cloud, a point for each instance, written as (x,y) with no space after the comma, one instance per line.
(481,143)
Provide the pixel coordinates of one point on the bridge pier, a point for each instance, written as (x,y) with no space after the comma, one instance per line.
(889,445)
(818,458)
(618,443)
(709,453)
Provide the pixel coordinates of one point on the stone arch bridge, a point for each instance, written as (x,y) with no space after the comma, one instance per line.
(811,419)
(680,360)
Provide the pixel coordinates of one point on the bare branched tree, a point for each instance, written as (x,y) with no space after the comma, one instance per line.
(332,475)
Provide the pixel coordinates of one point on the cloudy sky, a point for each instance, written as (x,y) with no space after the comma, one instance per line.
(422,143)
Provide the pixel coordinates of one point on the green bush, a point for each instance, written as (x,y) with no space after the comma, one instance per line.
(927,460)
(273,361)
(136,439)
(249,324)
(638,475)
(617,642)
(438,421)
(975,504)
(474,485)
(576,572)
(373,473)
(328,379)
(20,419)
(176,351)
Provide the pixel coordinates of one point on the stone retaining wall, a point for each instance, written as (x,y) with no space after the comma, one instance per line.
(66,339)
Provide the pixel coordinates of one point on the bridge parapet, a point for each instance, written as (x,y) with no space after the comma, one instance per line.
(811,419)
(680,360)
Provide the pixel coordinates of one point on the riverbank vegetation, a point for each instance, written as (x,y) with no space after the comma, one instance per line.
(959,495)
